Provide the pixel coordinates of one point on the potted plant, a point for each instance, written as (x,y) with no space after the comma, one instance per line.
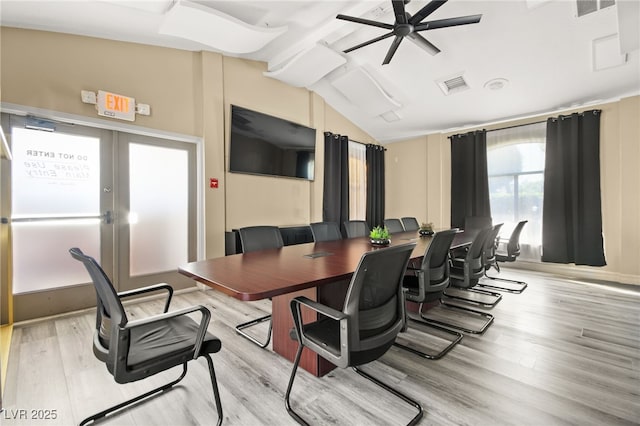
(426,228)
(380,236)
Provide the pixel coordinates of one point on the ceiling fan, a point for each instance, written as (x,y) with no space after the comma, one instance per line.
(409,26)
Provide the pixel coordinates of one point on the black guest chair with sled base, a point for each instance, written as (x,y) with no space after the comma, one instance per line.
(135,350)
(325,231)
(471,270)
(372,316)
(468,267)
(254,238)
(427,286)
(510,255)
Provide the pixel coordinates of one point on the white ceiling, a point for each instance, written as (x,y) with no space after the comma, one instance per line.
(543,50)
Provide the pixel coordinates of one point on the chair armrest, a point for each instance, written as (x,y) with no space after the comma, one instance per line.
(319,307)
(150,289)
(334,314)
(202,327)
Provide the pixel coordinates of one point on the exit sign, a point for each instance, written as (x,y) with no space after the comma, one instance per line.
(116,106)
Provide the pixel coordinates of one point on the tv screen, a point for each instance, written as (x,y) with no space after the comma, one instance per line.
(265,145)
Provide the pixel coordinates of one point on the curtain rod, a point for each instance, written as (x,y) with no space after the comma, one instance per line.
(594,111)
(504,128)
(361,143)
(517,125)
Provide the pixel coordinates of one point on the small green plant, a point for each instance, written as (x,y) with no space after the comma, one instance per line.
(379,233)
(426,226)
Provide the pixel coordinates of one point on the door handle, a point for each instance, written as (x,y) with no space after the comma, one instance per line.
(107,217)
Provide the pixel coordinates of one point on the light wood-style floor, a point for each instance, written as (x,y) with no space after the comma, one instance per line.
(563,352)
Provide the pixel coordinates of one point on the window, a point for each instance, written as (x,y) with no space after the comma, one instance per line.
(357,181)
(515,164)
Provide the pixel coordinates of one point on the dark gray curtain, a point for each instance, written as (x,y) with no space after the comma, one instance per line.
(571,214)
(469,179)
(335,199)
(375,185)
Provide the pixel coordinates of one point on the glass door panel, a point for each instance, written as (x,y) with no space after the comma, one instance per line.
(156,204)
(55,178)
(159,208)
(41,260)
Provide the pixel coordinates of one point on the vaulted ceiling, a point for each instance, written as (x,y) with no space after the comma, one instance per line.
(524,57)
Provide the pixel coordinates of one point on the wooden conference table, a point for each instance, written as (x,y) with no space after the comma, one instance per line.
(320,271)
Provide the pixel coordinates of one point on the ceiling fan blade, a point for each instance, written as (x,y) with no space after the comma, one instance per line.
(424,43)
(392,50)
(426,11)
(399,12)
(366,43)
(365,21)
(449,22)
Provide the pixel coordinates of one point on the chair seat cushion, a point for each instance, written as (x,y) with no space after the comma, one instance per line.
(167,338)
(457,262)
(411,285)
(505,258)
(326,333)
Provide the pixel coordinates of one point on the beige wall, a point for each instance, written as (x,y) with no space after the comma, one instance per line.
(190,93)
(417,180)
(419,184)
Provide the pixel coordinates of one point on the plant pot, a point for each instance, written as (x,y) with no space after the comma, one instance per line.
(425,232)
(380,241)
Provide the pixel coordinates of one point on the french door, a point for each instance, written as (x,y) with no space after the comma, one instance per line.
(126,200)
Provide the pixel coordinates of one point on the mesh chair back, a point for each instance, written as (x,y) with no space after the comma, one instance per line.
(375,302)
(490,246)
(393,225)
(435,263)
(474,260)
(255,238)
(356,228)
(325,231)
(433,277)
(410,224)
(513,246)
(109,307)
(476,223)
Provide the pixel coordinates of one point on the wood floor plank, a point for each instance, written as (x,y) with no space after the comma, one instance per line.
(564,352)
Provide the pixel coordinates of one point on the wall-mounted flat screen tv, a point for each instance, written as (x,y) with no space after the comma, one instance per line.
(265,145)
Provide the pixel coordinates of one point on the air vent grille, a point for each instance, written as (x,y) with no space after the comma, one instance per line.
(584,7)
(453,84)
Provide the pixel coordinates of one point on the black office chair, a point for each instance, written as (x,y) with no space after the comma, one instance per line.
(410,223)
(255,238)
(467,270)
(325,231)
(477,223)
(356,228)
(510,255)
(135,350)
(393,225)
(372,316)
(470,271)
(428,285)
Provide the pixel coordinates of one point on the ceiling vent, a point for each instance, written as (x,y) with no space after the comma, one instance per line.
(453,84)
(584,7)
